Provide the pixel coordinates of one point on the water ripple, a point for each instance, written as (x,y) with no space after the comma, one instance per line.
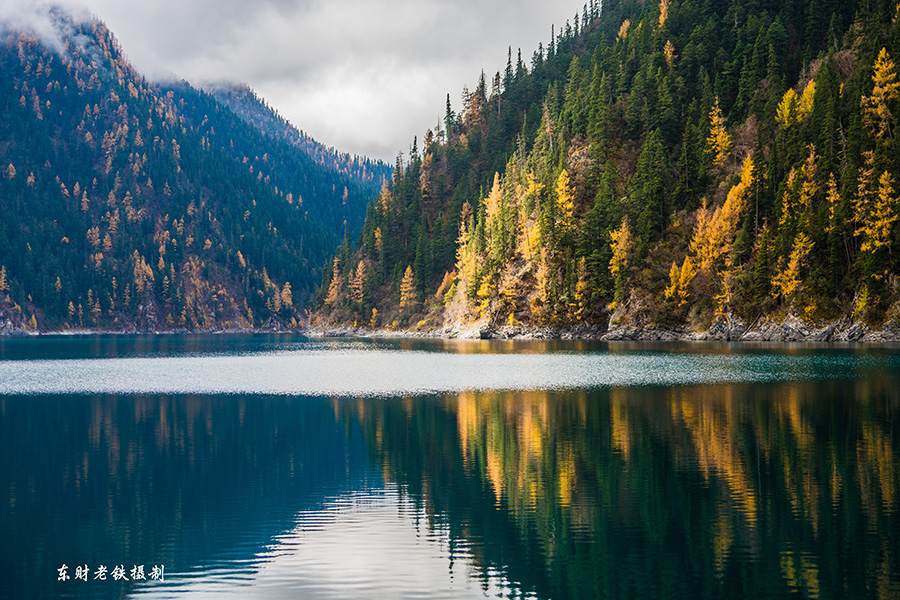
(352,371)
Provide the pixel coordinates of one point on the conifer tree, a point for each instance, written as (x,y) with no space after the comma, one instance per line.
(877,107)
(408,289)
(719,139)
(621,244)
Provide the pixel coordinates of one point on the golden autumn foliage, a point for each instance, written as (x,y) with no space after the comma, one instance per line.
(877,226)
(874,210)
(287,297)
(565,200)
(680,280)
(833,198)
(669,53)
(335,287)
(358,282)
(663,11)
(143,274)
(528,238)
(493,201)
(712,245)
(715,231)
(408,288)
(876,108)
(622,244)
(795,108)
(787,282)
(719,140)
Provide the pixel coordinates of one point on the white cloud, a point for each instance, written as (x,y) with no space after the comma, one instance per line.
(364,76)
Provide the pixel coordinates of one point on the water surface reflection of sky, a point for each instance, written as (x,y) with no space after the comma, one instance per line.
(367,544)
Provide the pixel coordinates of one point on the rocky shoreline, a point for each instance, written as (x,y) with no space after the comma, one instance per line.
(790,329)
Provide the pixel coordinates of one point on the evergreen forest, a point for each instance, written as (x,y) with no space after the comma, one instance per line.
(132,205)
(672,163)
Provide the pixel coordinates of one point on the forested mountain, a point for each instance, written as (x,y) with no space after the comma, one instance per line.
(666,162)
(125,204)
(244,102)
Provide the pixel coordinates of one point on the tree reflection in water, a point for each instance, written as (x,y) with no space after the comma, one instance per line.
(711,491)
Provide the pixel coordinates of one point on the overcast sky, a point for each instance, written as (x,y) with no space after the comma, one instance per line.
(364,76)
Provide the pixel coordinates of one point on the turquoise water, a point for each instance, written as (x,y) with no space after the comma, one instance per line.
(281,467)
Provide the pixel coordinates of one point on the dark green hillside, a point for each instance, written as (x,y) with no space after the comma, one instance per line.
(128,205)
(244,102)
(335,198)
(663,163)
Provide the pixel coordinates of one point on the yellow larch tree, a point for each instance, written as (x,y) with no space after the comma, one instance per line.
(786,109)
(715,232)
(680,280)
(358,282)
(805,105)
(808,190)
(287,297)
(493,206)
(719,139)
(663,11)
(379,244)
(833,197)
(621,244)
(467,260)
(334,288)
(712,246)
(794,107)
(864,202)
(876,229)
(787,282)
(408,288)
(669,53)
(565,200)
(493,202)
(528,238)
(876,108)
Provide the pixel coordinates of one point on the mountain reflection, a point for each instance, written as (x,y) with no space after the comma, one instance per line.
(710,491)
(721,491)
(196,483)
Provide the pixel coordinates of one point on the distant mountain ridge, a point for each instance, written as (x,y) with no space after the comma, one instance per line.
(245,103)
(129,205)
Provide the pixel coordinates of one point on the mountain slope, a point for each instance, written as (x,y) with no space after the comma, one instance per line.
(659,163)
(129,205)
(244,102)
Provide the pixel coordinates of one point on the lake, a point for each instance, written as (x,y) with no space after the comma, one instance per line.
(284,467)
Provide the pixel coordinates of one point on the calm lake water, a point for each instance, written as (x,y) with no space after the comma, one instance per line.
(281,467)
